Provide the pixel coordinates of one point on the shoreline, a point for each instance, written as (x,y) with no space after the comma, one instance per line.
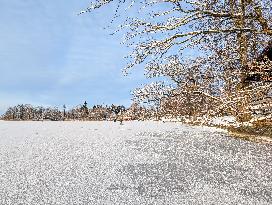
(229,130)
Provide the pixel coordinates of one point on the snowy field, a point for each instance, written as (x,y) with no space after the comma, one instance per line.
(135,163)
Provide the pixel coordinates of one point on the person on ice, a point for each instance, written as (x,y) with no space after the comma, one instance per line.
(118,111)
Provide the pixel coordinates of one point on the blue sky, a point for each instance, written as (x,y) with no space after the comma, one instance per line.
(51,56)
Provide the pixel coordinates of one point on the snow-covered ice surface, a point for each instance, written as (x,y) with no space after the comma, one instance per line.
(135,163)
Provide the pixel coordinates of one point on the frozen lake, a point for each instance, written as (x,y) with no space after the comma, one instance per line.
(135,163)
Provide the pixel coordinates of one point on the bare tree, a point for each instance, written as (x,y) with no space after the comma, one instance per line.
(225,35)
(162,25)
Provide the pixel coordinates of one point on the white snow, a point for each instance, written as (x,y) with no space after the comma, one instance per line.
(135,163)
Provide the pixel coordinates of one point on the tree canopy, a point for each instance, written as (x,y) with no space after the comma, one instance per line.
(199,45)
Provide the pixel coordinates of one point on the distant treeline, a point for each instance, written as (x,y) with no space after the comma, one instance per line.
(25,112)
